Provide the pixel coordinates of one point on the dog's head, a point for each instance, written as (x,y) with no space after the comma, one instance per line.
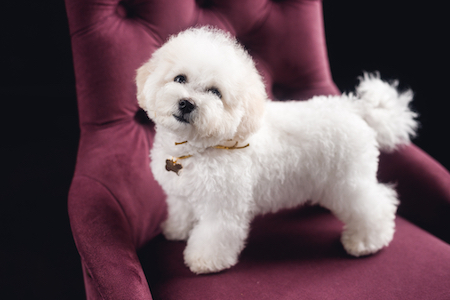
(203,86)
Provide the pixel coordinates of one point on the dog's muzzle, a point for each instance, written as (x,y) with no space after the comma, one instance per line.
(185,107)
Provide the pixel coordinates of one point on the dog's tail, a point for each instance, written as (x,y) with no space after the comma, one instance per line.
(386,110)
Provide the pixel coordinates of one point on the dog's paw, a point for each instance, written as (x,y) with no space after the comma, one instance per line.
(357,247)
(361,244)
(202,261)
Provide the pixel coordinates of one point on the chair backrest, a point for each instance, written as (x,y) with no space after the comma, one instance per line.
(112,38)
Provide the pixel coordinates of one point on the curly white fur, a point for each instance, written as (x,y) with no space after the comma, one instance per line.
(324,150)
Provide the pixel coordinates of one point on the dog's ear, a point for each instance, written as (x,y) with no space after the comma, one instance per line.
(254,104)
(141,77)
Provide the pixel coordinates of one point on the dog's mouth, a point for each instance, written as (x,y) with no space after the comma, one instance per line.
(181,119)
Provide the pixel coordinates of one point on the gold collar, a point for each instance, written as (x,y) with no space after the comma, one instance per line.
(173,165)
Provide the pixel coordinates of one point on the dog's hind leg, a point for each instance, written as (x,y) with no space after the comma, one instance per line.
(368,212)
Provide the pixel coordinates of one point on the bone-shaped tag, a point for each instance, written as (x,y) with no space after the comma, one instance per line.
(173,165)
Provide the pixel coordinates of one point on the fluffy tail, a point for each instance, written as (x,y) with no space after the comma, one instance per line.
(386,110)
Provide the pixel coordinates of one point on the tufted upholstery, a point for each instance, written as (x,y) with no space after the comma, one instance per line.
(116,207)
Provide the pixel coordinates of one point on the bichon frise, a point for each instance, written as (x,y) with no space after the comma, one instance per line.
(224,153)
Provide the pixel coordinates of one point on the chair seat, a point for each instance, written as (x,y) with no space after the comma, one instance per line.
(297,254)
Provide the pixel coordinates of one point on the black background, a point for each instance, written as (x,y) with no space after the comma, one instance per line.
(405,40)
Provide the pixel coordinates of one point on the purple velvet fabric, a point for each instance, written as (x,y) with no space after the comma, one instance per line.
(115,206)
(297,255)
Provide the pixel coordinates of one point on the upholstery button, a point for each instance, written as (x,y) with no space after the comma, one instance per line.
(124,10)
(204,3)
(141,117)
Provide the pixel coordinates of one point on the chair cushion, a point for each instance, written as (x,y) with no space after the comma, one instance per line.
(297,255)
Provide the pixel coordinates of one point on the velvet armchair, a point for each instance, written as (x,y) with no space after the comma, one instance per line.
(116,207)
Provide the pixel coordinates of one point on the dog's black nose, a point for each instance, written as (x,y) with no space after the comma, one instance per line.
(185,106)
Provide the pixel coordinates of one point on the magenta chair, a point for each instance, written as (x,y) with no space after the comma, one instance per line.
(116,207)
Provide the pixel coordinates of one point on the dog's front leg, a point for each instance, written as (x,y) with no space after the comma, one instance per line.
(216,242)
(180,219)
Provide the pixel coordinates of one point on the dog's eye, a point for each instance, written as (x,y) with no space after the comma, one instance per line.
(215,91)
(180,79)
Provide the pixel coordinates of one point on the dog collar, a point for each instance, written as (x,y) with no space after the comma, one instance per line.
(172,164)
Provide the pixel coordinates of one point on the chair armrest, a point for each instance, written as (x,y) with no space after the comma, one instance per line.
(423,186)
(104,240)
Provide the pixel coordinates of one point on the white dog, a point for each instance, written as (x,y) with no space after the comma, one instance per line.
(224,153)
